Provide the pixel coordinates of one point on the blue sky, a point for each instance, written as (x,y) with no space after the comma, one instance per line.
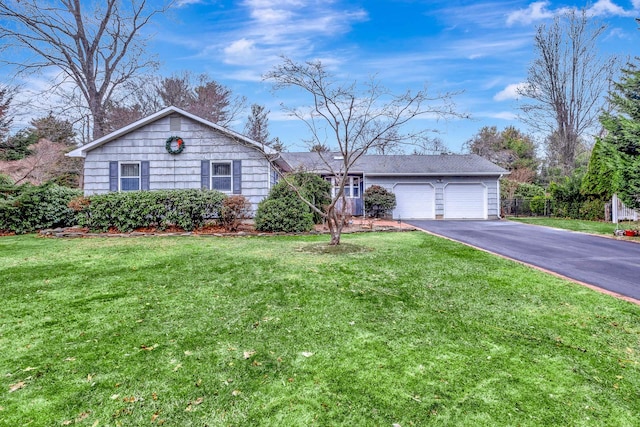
(479,48)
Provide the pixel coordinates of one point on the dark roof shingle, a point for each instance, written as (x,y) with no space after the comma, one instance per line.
(443,164)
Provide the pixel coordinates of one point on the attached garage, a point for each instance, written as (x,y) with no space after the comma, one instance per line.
(465,201)
(444,186)
(414,201)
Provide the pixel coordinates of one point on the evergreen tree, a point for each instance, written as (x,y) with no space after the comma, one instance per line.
(601,177)
(5,119)
(257,127)
(621,142)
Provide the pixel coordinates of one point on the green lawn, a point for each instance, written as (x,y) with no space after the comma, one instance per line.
(198,331)
(593,227)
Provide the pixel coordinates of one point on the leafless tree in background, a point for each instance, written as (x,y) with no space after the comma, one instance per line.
(567,82)
(98,48)
(351,119)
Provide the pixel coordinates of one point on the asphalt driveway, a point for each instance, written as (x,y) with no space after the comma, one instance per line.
(609,264)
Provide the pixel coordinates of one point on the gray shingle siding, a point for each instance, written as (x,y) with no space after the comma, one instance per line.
(169,171)
(252,175)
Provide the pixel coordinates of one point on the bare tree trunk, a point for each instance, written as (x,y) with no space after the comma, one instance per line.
(98,50)
(354,119)
(567,80)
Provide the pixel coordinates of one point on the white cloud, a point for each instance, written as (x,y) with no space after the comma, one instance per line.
(536,11)
(183,3)
(539,10)
(294,28)
(503,115)
(605,8)
(512,91)
(240,52)
(271,16)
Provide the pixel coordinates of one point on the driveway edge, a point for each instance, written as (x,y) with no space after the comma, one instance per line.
(553,273)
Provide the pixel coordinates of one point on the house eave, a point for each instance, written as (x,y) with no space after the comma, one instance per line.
(82,151)
(402,174)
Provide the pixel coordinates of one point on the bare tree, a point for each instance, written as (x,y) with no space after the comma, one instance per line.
(352,119)
(98,49)
(567,81)
(119,115)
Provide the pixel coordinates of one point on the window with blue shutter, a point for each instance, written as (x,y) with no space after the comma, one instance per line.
(221,176)
(130,176)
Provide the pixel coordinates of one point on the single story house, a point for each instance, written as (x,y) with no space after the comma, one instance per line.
(173,149)
(445,186)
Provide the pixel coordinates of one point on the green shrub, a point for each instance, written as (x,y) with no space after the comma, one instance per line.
(528,191)
(288,215)
(126,211)
(311,186)
(32,208)
(538,204)
(234,210)
(284,211)
(566,197)
(5,181)
(592,210)
(7,187)
(378,201)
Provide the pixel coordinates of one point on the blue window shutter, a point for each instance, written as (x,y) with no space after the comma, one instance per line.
(113,176)
(237,177)
(144,175)
(205,174)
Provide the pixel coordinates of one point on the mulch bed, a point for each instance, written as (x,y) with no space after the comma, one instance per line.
(217,231)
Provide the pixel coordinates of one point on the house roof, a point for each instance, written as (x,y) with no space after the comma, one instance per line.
(371,165)
(82,151)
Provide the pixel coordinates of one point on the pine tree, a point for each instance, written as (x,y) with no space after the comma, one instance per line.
(5,119)
(621,143)
(257,127)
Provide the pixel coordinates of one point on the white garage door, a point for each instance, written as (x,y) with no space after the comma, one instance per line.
(414,201)
(465,201)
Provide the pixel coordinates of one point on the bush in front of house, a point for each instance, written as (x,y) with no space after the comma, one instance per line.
(234,210)
(315,189)
(378,201)
(126,211)
(283,211)
(29,208)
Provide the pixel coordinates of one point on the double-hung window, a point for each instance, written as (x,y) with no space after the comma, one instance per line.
(130,176)
(221,176)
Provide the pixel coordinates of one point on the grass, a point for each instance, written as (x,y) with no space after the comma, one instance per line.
(412,329)
(593,227)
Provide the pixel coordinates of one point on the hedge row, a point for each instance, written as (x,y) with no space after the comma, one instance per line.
(126,211)
(28,208)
